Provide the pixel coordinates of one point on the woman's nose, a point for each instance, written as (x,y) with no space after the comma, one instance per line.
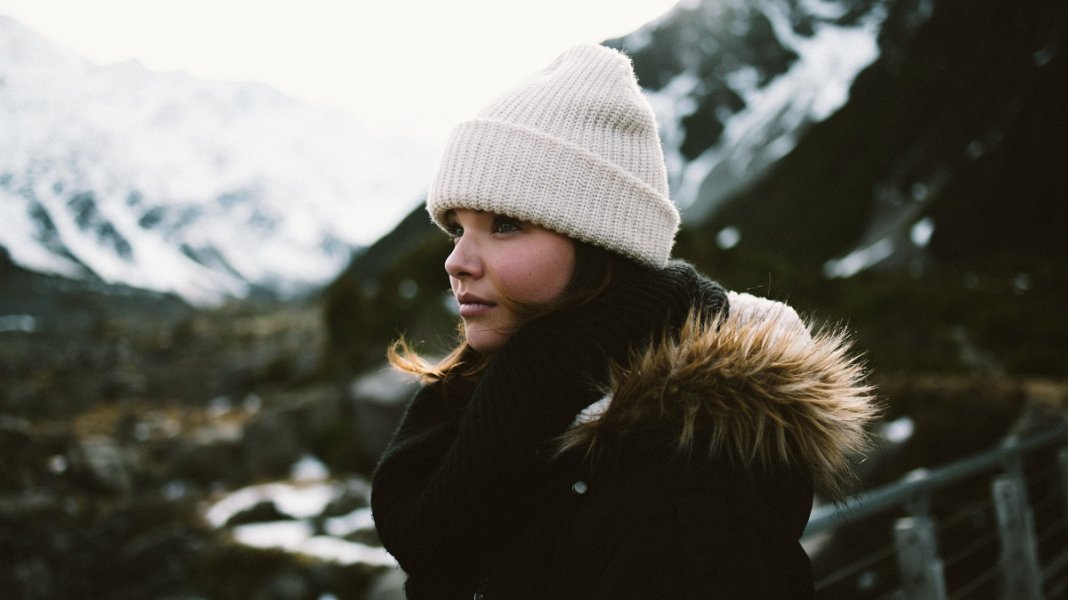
(464,260)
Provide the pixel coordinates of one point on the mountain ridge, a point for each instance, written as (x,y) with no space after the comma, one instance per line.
(206,189)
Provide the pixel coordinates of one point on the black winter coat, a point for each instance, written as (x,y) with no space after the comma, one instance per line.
(687,472)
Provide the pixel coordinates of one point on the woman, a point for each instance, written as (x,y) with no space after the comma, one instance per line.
(613,425)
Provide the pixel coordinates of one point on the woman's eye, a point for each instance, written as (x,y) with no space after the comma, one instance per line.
(503,225)
(454,231)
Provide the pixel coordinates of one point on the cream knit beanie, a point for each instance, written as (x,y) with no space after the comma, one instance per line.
(574,149)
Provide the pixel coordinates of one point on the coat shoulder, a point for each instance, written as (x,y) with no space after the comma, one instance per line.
(757,386)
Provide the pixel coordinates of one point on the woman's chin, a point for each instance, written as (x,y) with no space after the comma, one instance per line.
(485,341)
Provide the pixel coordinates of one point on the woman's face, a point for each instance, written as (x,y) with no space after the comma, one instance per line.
(496,259)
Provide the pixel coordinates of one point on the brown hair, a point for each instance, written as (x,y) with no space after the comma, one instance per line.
(595,268)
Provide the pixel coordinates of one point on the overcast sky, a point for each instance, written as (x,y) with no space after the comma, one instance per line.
(418,66)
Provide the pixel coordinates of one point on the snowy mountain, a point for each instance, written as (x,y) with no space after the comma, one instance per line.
(168,182)
(859,134)
(736,83)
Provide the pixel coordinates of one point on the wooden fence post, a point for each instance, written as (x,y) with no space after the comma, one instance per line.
(1062,462)
(917,557)
(1020,572)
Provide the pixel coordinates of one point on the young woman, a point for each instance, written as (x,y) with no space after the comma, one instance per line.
(613,425)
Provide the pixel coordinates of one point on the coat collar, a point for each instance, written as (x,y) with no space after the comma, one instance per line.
(755,386)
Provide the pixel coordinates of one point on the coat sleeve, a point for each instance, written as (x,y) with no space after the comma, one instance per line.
(447,490)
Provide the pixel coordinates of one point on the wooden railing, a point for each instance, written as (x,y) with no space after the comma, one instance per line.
(992,525)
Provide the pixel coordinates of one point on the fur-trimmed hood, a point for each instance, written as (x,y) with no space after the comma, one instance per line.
(756,386)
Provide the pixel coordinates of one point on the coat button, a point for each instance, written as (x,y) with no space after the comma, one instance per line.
(579,487)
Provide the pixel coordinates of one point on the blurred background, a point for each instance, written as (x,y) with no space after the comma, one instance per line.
(211,227)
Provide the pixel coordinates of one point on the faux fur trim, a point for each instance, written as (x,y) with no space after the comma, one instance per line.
(762,392)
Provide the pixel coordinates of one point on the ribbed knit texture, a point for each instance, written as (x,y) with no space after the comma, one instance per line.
(574,149)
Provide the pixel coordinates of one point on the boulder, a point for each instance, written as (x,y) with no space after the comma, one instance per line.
(104,463)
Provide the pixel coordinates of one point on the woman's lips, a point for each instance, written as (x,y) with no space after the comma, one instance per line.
(474,309)
(473,306)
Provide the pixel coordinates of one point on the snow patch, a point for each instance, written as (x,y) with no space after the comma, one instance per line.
(858,260)
(304,502)
(921,232)
(296,537)
(899,430)
(23,323)
(300,501)
(350,523)
(308,469)
(1021,282)
(21,238)
(728,237)
(671,104)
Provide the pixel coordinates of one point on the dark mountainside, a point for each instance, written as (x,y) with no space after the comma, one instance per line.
(125,414)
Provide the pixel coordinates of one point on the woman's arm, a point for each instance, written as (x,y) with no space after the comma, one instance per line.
(446,489)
